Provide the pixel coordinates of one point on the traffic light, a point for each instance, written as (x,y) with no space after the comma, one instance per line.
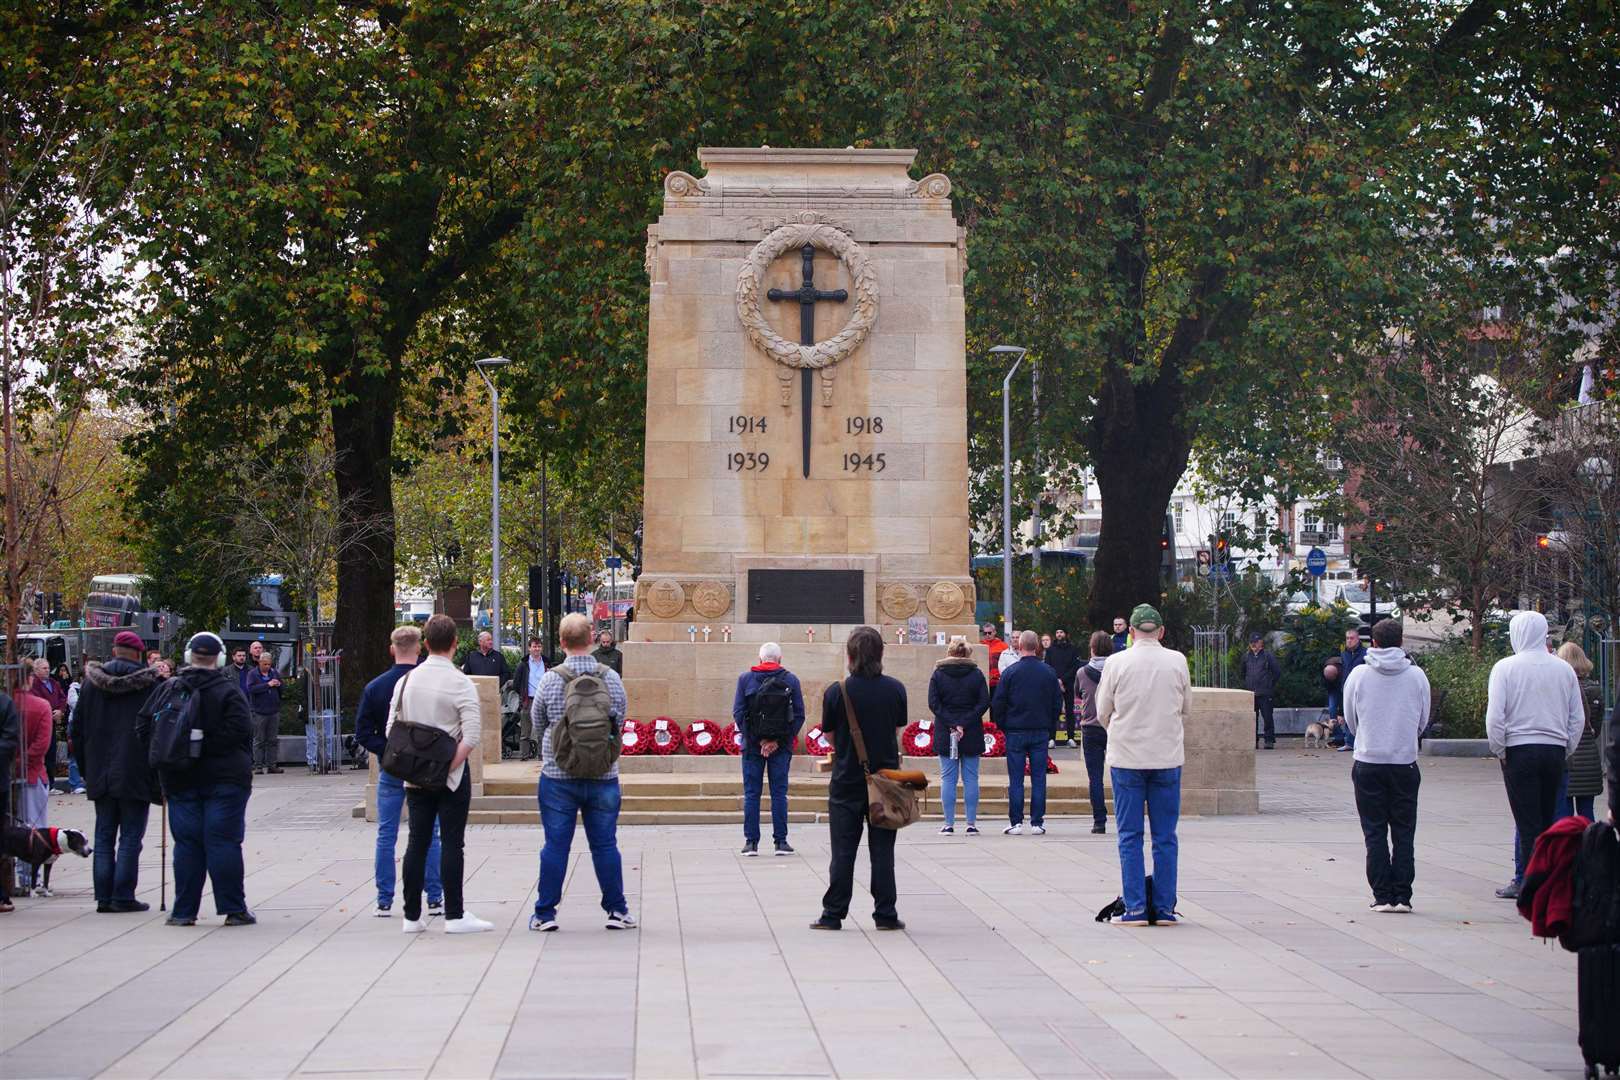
(1379,525)
(1543,542)
(1223,549)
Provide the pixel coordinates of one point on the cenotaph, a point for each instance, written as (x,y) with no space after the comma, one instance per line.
(806,453)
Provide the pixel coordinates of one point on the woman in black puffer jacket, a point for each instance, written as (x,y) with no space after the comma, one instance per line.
(959,696)
(1585,764)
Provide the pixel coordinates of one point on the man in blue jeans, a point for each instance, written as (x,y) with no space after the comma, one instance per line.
(1145,701)
(564,799)
(1026,705)
(768,697)
(370,723)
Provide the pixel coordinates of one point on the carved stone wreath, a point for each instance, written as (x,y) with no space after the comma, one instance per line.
(809,229)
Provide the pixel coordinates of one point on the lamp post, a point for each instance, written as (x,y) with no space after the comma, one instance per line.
(485,366)
(1006,483)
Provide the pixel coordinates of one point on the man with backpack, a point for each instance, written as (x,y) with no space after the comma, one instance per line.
(579,718)
(200,741)
(769,711)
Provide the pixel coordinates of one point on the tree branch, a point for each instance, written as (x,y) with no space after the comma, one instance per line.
(1470,21)
(473,252)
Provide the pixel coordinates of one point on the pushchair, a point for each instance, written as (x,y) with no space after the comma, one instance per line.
(511,722)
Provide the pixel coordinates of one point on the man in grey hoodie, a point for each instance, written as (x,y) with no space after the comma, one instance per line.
(1534,717)
(1386,705)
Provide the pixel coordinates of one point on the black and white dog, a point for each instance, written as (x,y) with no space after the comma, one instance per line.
(42,847)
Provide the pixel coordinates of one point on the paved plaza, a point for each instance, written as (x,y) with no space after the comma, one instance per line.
(1279,971)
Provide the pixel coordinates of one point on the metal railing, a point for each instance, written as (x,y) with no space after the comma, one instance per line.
(1608,662)
(323,697)
(1209,666)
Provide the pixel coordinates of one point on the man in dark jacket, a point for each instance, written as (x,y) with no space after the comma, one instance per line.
(10,747)
(113,762)
(371,732)
(1261,674)
(760,757)
(526,681)
(1064,659)
(486,659)
(1352,657)
(607,652)
(208,796)
(1026,705)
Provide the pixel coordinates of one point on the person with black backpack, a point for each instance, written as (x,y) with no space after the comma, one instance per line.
(768,709)
(579,719)
(199,738)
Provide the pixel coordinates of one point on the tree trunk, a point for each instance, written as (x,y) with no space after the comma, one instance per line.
(363,436)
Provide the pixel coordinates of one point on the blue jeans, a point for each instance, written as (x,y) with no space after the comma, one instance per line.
(1159,791)
(968,769)
(120,823)
(208,824)
(562,802)
(327,723)
(76,781)
(390,802)
(1027,746)
(754,770)
(1095,747)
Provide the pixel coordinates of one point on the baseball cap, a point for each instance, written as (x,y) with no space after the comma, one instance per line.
(129,639)
(1146,617)
(205,644)
(1254,635)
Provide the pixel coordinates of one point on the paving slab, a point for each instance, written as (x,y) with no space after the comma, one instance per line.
(1279,970)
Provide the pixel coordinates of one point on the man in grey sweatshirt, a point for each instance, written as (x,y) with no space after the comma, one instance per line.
(1386,706)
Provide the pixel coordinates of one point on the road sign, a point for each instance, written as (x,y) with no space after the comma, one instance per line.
(614,562)
(1202,566)
(1316,562)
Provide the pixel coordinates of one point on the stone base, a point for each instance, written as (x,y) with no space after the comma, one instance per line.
(1218,777)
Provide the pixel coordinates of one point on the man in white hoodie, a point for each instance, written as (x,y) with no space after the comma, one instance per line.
(1533,719)
(1386,705)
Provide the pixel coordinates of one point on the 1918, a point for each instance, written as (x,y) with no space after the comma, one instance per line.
(747,462)
(863,425)
(868,462)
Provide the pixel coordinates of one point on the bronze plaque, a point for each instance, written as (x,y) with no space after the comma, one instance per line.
(806,596)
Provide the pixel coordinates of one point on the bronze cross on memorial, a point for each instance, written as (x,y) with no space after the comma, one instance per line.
(807,295)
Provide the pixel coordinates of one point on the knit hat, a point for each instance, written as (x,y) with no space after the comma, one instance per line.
(128,639)
(1146,617)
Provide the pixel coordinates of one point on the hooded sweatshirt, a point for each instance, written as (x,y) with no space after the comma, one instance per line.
(1386,704)
(1534,697)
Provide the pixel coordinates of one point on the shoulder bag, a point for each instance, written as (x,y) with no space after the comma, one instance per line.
(890,804)
(418,754)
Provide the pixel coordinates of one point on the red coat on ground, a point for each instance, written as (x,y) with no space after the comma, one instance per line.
(1547,897)
(996,647)
(36,733)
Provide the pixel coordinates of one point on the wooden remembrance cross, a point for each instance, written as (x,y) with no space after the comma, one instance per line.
(807,295)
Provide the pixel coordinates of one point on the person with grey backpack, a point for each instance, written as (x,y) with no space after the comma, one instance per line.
(578,718)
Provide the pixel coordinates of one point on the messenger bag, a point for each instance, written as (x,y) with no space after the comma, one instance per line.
(890,804)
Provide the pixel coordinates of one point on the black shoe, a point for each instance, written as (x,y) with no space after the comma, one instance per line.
(750,848)
(103,907)
(125,907)
(240,918)
(172,921)
(1510,891)
(1271,746)
(888,924)
(783,848)
(1099,829)
(274,769)
(827,922)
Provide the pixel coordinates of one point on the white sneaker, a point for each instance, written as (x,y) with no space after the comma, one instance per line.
(1013,830)
(414,926)
(1401,909)
(544,926)
(621,921)
(1376,906)
(1038,830)
(380,912)
(467,924)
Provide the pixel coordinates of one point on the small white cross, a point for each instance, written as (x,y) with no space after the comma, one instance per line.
(706,632)
(725,633)
(691,633)
(810,634)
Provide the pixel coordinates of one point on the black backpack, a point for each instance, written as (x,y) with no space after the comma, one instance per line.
(176,710)
(770,710)
(1595,905)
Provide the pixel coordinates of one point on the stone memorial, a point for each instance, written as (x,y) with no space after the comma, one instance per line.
(806,454)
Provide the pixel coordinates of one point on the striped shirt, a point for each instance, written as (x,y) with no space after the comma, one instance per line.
(548,708)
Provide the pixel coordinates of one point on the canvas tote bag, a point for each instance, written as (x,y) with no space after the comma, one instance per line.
(889,804)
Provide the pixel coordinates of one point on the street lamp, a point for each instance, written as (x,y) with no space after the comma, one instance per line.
(485,366)
(1006,483)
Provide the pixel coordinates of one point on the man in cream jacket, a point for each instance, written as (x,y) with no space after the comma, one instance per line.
(1145,701)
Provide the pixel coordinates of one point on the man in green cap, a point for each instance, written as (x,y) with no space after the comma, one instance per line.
(1145,701)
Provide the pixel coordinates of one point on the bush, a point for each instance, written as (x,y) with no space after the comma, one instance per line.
(1454,668)
(1310,637)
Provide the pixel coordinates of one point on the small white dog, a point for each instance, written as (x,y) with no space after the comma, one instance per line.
(1316,733)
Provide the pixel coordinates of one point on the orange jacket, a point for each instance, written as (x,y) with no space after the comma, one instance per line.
(996,647)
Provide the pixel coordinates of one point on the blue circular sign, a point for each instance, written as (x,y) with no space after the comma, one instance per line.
(1316,562)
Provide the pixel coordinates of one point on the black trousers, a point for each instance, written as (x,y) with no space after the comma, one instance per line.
(1387,800)
(1532,774)
(1068,709)
(449,809)
(1094,744)
(1263,706)
(845,820)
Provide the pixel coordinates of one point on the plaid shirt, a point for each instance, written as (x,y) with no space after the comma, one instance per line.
(548,707)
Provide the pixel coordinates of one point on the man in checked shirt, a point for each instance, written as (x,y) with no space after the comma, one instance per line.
(564,798)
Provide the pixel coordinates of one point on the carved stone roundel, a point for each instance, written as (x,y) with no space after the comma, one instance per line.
(791,237)
(710,599)
(946,600)
(898,601)
(665,598)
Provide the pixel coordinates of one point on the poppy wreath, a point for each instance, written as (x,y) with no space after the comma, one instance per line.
(731,740)
(664,736)
(1051,766)
(703,737)
(635,738)
(995,743)
(918,739)
(817,741)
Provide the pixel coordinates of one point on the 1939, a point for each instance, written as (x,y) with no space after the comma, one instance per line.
(747,461)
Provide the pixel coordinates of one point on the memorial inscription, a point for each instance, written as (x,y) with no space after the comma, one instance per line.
(806,596)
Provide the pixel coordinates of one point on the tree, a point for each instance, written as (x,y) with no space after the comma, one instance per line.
(1581,481)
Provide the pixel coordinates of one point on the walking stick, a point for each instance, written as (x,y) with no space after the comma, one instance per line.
(163,859)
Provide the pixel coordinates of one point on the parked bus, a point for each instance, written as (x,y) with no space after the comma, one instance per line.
(113,600)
